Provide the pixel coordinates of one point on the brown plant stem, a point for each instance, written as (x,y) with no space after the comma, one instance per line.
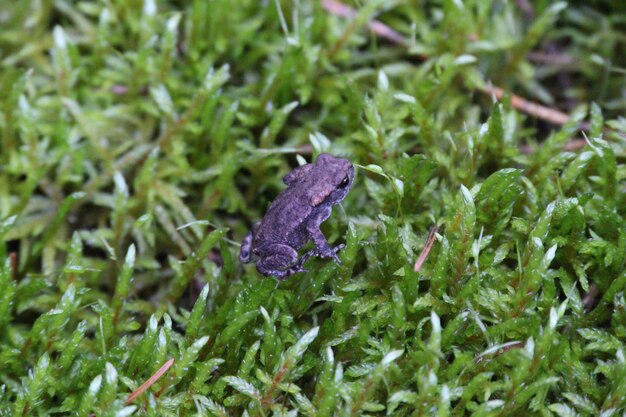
(150,381)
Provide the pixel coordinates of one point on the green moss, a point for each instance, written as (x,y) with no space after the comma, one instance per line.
(140,140)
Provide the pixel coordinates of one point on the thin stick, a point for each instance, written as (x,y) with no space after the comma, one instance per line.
(382,30)
(154,378)
(520,103)
(430,240)
(551,58)
(14,265)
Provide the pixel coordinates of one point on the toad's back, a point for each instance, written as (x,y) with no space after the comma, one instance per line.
(285,220)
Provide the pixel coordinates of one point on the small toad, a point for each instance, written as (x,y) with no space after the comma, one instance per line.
(295,217)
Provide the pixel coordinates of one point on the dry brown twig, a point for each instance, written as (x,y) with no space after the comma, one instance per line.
(551,58)
(526,106)
(154,378)
(430,241)
(380,29)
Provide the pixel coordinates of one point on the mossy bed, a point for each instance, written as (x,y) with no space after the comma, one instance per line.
(140,140)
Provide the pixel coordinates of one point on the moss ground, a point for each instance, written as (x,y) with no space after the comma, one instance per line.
(139,140)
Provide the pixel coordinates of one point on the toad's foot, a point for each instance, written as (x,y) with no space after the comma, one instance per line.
(332,252)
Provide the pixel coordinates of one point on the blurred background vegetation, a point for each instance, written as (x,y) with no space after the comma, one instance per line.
(139,140)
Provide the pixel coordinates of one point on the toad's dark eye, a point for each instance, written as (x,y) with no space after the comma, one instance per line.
(344,182)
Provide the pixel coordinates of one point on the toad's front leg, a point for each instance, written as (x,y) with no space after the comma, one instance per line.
(323,248)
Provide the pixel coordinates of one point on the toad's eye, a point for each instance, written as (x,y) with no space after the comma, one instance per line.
(344,182)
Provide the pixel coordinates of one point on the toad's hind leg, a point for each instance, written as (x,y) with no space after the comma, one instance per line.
(278,260)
